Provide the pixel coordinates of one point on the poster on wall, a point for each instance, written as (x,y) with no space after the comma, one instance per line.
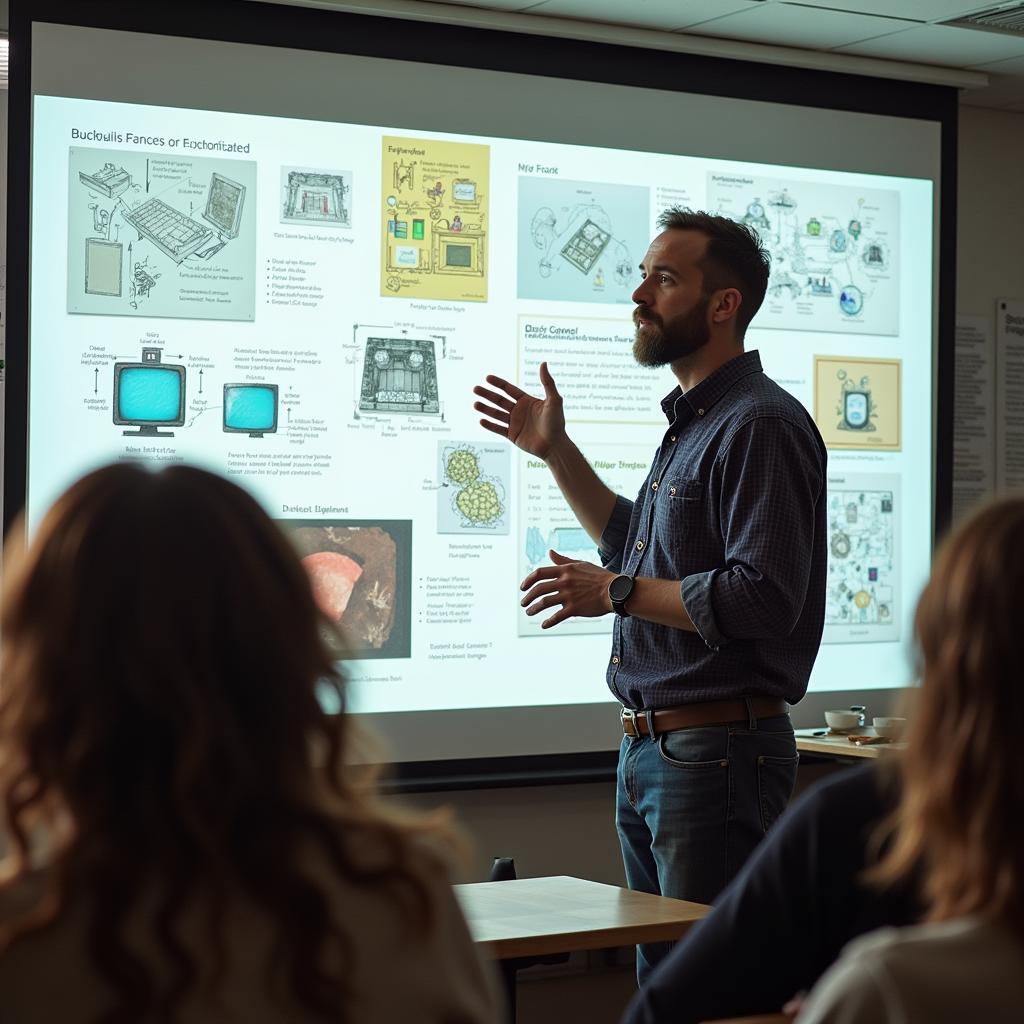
(974,415)
(1009,393)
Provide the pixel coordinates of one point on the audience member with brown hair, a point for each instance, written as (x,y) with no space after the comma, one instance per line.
(184,842)
(960,806)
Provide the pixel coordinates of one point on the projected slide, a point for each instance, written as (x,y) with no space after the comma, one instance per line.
(153,234)
(306,305)
(834,250)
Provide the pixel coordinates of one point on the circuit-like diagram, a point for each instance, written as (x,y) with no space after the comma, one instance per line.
(399,375)
(435,214)
(863,586)
(833,249)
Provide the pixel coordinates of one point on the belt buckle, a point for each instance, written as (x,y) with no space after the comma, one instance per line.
(628,719)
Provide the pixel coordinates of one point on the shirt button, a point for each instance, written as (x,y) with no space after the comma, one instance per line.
(671,490)
(615,659)
(639,545)
(654,486)
(700,412)
(672,438)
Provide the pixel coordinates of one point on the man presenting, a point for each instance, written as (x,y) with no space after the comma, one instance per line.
(715,573)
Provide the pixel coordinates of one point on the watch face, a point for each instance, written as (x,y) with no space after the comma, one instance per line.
(620,588)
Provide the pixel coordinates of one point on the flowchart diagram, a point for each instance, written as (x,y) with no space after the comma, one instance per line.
(834,250)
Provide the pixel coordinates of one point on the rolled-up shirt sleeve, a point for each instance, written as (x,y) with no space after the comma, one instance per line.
(613,540)
(766,481)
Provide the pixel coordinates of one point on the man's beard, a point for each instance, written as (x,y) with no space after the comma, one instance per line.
(659,344)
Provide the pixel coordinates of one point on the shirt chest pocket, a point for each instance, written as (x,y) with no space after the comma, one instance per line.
(680,508)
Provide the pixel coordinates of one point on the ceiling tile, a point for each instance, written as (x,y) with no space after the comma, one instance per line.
(492,5)
(941,44)
(783,24)
(912,10)
(663,14)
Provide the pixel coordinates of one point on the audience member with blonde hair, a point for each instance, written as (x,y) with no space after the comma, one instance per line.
(958,818)
(183,842)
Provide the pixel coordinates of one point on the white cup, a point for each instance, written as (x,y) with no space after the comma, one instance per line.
(843,720)
(889,727)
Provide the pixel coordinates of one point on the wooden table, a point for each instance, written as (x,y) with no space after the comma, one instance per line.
(537,916)
(840,746)
(522,919)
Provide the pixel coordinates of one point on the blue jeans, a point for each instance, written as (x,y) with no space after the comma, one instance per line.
(692,805)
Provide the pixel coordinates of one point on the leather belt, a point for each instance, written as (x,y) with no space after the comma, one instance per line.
(711,712)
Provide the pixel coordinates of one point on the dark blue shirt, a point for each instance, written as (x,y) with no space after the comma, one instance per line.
(733,508)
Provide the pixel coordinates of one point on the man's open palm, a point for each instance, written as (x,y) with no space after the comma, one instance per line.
(532,424)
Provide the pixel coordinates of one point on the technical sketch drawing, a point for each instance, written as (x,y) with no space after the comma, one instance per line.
(142,282)
(855,409)
(224,204)
(188,220)
(472,496)
(399,375)
(110,180)
(315,197)
(175,234)
(103,262)
(434,217)
(577,240)
(585,246)
(857,401)
(832,251)
(148,395)
(862,587)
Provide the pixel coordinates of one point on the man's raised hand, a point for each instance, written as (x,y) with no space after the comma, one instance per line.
(533,424)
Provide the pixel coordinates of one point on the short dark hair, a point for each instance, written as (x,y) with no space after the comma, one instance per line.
(735,257)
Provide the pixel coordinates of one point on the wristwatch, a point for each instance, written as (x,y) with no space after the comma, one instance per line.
(619,590)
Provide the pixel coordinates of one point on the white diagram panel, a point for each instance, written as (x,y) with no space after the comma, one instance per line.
(863,591)
(833,248)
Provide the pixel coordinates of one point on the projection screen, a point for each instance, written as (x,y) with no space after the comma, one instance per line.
(291,267)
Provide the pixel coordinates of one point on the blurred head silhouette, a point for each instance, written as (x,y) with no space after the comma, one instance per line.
(962,775)
(160,725)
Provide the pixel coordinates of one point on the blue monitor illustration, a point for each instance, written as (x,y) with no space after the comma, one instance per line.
(149,395)
(250,409)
